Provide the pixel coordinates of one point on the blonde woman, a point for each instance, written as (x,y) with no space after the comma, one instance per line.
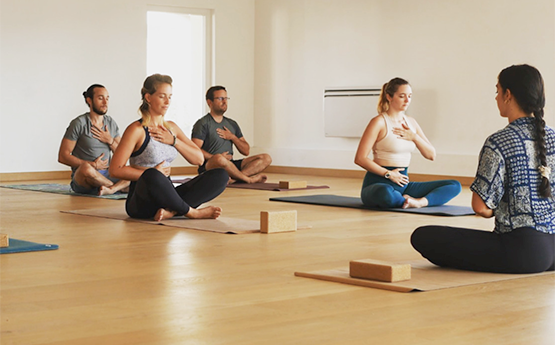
(151,144)
(385,151)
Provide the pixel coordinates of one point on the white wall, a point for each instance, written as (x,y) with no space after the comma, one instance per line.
(451,51)
(52,50)
(276,57)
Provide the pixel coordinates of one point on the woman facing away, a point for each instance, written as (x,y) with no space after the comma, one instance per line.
(151,144)
(391,136)
(512,184)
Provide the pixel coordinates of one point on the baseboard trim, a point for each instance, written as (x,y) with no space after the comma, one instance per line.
(35,176)
(66,175)
(192,170)
(464,180)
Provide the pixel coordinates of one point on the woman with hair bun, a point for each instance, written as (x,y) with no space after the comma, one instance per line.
(513,184)
(151,144)
(391,136)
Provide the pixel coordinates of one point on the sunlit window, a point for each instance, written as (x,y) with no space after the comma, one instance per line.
(178,44)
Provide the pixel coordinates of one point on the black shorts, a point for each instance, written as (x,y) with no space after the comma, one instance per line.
(236,162)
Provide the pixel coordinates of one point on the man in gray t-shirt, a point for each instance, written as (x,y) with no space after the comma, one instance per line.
(87,146)
(216,135)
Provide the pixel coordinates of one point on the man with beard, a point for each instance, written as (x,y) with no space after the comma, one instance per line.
(87,145)
(216,135)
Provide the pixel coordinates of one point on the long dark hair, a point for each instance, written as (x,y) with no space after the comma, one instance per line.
(389,88)
(526,85)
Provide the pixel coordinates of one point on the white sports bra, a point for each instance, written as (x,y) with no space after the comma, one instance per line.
(392,151)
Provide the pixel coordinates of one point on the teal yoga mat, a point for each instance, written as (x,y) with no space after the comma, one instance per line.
(61,189)
(353,202)
(20,246)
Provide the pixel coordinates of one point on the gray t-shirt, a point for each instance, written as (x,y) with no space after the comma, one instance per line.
(205,129)
(87,147)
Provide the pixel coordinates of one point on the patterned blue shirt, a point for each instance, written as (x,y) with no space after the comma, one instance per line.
(508,178)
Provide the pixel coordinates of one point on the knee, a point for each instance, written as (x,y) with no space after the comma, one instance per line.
(416,237)
(266,158)
(380,195)
(219,175)
(151,175)
(86,170)
(217,161)
(456,185)
(428,236)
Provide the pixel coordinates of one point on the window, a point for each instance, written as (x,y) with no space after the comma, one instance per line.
(179,44)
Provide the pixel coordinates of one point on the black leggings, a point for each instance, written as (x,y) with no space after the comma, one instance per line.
(153,191)
(522,250)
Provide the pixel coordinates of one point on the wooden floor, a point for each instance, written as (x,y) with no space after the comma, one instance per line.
(117,282)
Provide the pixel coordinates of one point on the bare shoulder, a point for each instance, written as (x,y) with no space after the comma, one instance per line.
(134,129)
(377,121)
(134,125)
(376,128)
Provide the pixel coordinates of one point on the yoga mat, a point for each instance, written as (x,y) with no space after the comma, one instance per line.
(61,189)
(269,186)
(353,202)
(20,246)
(177,180)
(425,276)
(224,225)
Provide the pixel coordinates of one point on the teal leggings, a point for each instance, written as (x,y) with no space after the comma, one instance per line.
(377,191)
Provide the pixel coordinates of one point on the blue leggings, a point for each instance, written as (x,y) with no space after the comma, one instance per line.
(377,191)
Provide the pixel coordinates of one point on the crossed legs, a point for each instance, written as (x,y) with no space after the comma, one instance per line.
(523,250)
(91,180)
(251,167)
(154,196)
(414,195)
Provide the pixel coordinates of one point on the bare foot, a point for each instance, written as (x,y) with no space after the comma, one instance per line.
(258,178)
(411,202)
(163,214)
(103,190)
(209,212)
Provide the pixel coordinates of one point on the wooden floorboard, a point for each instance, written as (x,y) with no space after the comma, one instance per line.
(117,282)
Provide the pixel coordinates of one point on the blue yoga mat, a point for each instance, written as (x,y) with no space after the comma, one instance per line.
(61,189)
(20,246)
(353,202)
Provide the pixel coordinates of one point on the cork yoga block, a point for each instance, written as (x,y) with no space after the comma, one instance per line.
(278,221)
(4,241)
(292,184)
(379,270)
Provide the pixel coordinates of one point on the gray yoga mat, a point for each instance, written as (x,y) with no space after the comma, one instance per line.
(64,189)
(354,202)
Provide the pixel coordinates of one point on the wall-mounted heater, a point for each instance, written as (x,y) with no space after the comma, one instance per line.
(347,110)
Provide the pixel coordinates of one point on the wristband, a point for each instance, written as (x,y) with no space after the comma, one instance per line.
(174,140)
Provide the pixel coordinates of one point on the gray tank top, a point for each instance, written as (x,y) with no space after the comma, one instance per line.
(152,152)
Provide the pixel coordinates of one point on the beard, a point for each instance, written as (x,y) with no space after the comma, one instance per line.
(98,111)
